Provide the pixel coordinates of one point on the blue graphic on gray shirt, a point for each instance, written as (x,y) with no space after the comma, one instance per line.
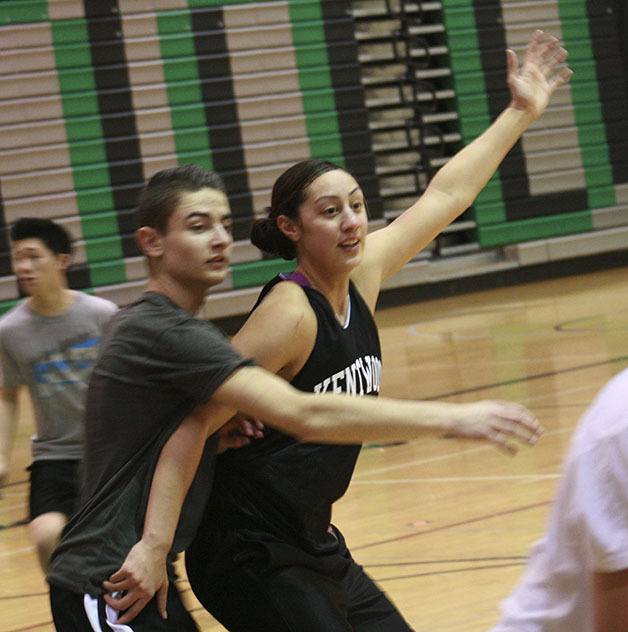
(70,366)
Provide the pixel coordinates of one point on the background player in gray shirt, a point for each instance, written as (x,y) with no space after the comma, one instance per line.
(48,343)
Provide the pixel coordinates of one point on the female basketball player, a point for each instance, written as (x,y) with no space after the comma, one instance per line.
(267,557)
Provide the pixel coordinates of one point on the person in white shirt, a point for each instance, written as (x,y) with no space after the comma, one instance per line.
(577,577)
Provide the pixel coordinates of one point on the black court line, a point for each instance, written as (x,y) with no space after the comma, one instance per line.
(526,378)
(566,326)
(621,12)
(452,525)
(120,100)
(13,525)
(215,74)
(31,627)
(519,203)
(5,261)
(604,33)
(78,277)
(448,572)
(461,560)
(13,484)
(24,595)
(338,24)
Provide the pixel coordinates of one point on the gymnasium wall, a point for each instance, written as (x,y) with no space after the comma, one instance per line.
(97,95)
(575,159)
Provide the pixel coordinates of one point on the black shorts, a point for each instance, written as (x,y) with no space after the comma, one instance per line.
(70,614)
(55,486)
(274,587)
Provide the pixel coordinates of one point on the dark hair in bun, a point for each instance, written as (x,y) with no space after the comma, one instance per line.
(267,237)
(289,192)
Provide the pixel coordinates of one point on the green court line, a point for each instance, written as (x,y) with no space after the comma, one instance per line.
(536,228)
(107,272)
(258,273)
(103,249)
(468,61)
(69,31)
(20,12)
(583,65)
(183,118)
(314,78)
(88,128)
(5,306)
(461,4)
(214,3)
(88,177)
(468,79)
(97,224)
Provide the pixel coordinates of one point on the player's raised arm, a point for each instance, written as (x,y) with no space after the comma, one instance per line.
(456,185)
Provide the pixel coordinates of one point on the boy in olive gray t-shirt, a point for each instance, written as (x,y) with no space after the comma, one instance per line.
(156,365)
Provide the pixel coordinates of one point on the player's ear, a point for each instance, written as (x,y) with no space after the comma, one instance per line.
(289,227)
(150,241)
(64,261)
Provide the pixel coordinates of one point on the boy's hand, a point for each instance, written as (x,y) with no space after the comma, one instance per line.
(142,576)
(238,432)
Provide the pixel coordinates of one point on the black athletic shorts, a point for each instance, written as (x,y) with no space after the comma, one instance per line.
(72,612)
(55,486)
(272,586)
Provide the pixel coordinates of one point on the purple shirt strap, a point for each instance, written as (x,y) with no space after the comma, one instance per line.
(296,277)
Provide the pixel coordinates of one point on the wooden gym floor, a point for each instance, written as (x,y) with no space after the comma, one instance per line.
(443,525)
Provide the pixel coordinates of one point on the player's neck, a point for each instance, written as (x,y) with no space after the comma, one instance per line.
(189,298)
(52,301)
(334,287)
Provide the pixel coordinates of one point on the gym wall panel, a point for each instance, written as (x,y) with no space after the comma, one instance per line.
(96,96)
(572,160)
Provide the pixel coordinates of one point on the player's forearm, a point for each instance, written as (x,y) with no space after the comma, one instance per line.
(176,467)
(341,419)
(465,175)
(331,418)
(334,418)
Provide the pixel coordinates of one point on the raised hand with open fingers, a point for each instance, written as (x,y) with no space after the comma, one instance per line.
(542,71)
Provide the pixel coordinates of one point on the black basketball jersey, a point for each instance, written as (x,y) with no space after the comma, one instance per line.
(281,487)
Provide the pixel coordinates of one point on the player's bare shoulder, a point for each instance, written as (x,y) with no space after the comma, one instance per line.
(288,308)
(281,331)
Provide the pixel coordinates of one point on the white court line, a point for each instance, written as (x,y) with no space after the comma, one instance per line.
(433,459)
(497,308)
(24,549)
(11,507)
(15,494)
(444,457)
(450,336)
(482,448)
(505,362)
